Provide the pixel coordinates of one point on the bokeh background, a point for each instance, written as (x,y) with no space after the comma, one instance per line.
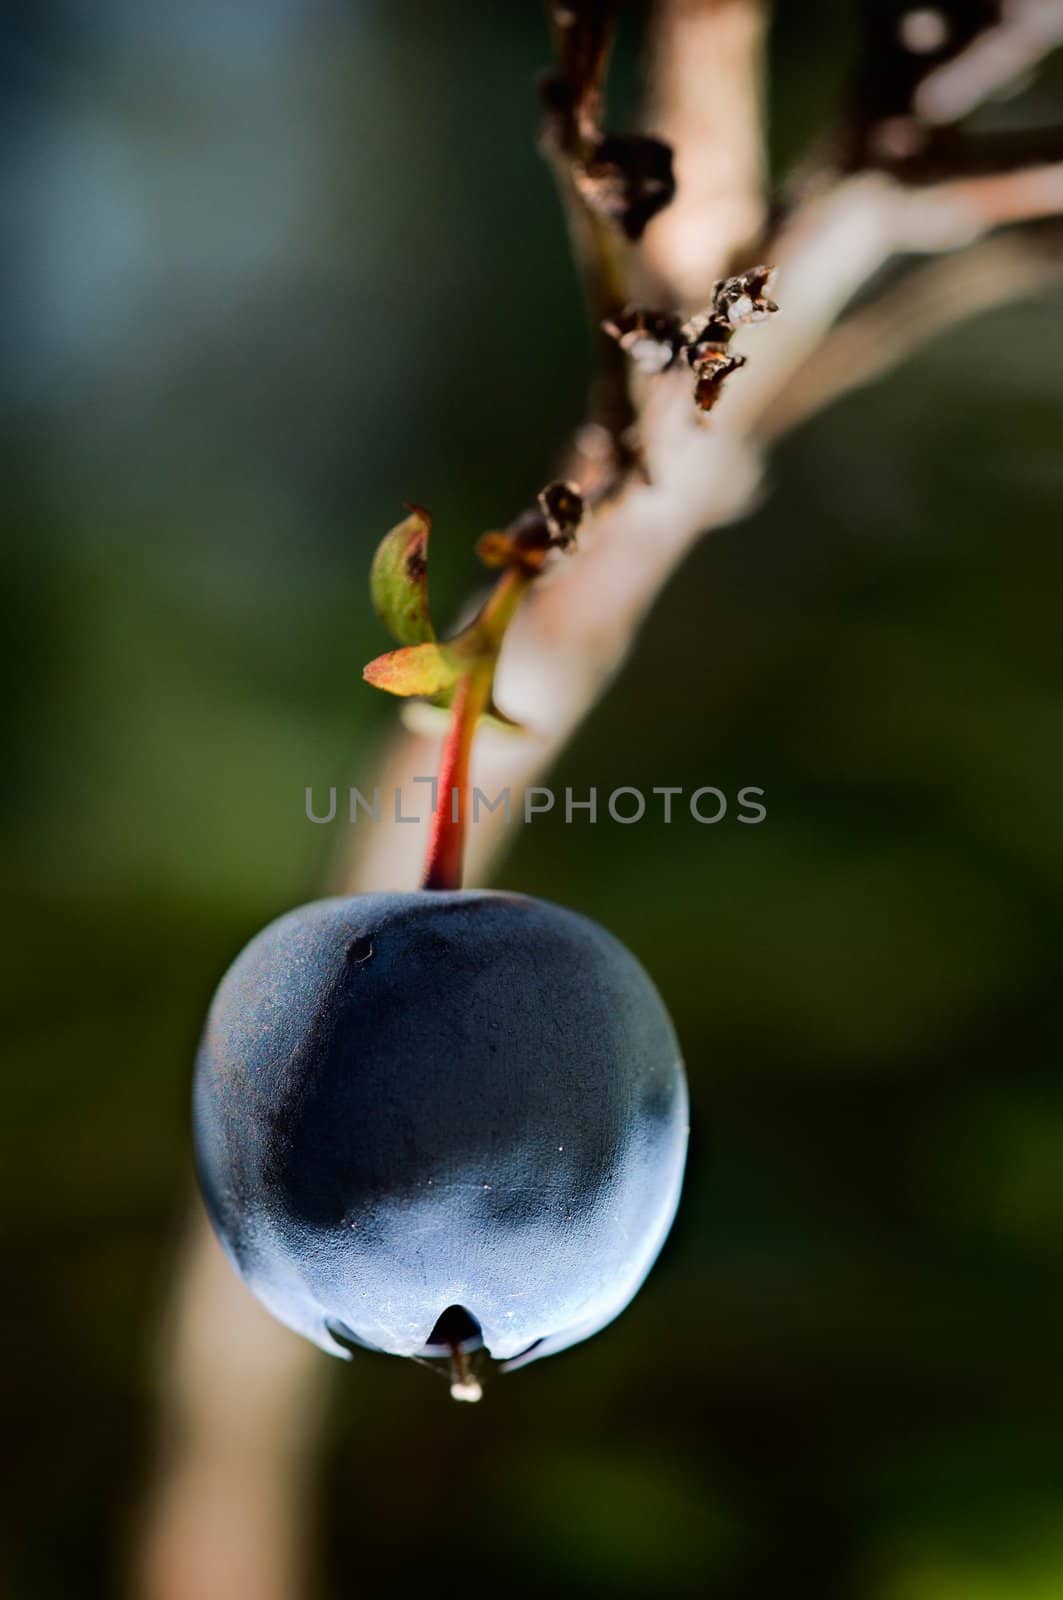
(274,267)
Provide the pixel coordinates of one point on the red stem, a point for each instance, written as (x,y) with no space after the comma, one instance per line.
(446,843)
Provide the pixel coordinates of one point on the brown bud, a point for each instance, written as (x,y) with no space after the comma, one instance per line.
(744,298)
(705,332)
(562,506)
(627,178)
(495,549)
(650,338)
(713,367)
(529,539)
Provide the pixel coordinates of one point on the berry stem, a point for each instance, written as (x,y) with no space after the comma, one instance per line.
(446,842)
(501,603)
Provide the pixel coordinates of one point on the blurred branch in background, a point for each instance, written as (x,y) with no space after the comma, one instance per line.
(925,302)
(611,186)
(239,1424)
(243,1390)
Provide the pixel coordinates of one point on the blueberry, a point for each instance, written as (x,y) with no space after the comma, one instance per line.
(430,1121)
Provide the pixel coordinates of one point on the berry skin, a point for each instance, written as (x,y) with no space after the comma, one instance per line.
(461,1102)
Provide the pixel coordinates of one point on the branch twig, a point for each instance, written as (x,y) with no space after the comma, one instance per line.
(926,67)
(925,303)
(610,185)
(575,630)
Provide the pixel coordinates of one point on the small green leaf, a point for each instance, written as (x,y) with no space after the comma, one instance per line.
(398,580)
(427,669)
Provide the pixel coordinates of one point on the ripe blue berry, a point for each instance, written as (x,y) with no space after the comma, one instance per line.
(428,1120)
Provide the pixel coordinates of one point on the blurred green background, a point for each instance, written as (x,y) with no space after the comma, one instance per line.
(273,268)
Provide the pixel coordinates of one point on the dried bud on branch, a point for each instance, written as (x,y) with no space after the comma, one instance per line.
(654,339)
(531,537)
(562,506)
(650,339)
(627,179)
(744,298)
(712,367)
